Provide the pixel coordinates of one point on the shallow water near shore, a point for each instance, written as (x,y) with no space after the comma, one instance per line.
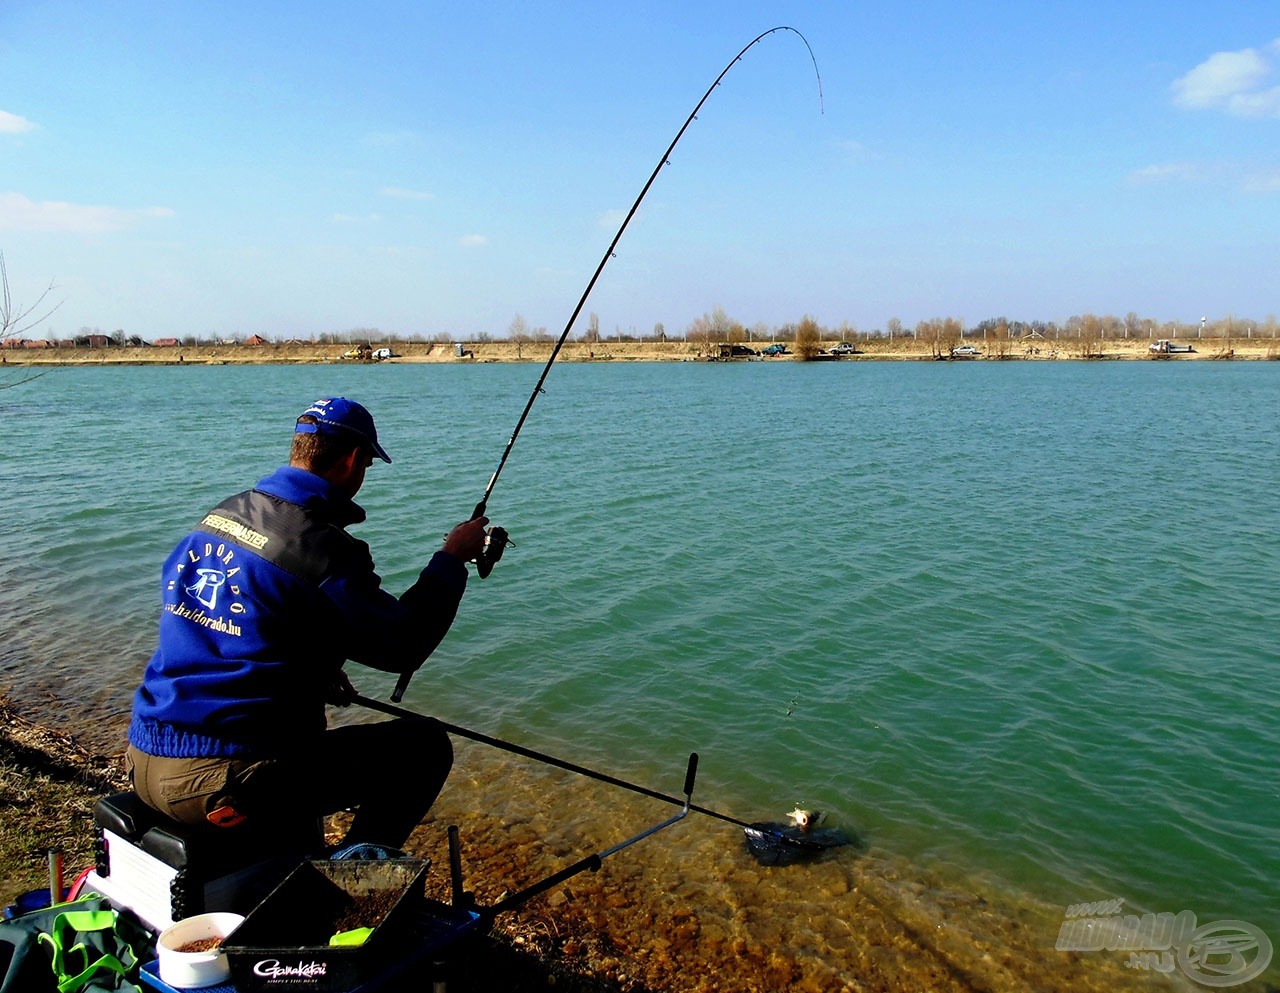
(1014,623)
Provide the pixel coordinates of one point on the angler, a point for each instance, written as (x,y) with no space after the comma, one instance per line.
(230,716)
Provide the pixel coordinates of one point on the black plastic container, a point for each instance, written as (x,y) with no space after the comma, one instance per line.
(283,943)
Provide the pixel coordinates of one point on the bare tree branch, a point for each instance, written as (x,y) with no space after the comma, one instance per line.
(25,379)
(14,323)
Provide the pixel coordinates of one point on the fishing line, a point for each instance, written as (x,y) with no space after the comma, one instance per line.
(498,538)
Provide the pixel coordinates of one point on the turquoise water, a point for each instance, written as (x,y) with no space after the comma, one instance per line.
(1018,617)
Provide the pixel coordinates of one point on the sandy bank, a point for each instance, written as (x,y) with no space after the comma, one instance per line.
(624,351)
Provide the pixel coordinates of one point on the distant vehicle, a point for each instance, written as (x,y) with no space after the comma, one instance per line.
(1165,347)
(383,353)
(844,348)
(777,348)
(737,352)
(965,352)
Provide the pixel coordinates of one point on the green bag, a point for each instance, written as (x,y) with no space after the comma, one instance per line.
(80,947)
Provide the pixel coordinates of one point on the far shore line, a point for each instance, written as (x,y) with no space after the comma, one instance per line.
(901,350)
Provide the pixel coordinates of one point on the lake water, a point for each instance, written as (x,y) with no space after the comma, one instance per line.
(1016,618)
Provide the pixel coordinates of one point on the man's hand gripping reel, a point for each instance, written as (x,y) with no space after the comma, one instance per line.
(495,543)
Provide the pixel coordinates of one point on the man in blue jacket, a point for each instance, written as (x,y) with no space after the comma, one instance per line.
(263,603)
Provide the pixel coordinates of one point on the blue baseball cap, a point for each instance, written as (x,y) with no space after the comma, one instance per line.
(342,416)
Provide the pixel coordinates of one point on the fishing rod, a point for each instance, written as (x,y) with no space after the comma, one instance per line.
(498,539)
(769,843)
(530,753)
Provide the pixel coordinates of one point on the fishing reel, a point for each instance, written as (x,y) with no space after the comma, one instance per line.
(495,543)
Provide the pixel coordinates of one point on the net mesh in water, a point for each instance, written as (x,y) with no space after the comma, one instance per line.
(785,844)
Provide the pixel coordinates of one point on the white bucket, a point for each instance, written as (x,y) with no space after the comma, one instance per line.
(194,970)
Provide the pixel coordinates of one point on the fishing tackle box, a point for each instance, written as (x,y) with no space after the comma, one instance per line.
(284,942)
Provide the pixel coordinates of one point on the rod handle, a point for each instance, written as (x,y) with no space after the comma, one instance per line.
(690,773)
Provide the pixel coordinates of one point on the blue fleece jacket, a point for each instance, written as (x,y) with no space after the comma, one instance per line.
(262,604)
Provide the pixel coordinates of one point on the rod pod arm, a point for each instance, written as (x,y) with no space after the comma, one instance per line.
(592,862)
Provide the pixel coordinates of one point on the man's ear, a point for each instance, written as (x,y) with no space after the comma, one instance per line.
(353,458)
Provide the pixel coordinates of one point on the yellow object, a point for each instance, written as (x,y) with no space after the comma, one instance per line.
(356,936)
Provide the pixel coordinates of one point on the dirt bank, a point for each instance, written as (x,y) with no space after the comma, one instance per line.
(624,351)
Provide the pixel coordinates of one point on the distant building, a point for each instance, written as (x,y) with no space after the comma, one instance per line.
(255,339)
(95,341)
(165,342)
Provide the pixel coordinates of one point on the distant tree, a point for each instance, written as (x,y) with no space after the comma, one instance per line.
(700,330)
(659,332)
(894,328)
(518,332)
(808,338)
(1090,330)
(715,326)
(592,334)
(942,333)
(720,327)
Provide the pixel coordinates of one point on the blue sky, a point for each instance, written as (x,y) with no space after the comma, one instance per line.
(293,168)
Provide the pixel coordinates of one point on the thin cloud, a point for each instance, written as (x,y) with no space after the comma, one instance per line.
(1225,175)
(14,124)
(1265,183)
(1166,172)
(473,241)
(1234,82)
(855,151)
(18,213)
(389,139)
(609,220)
(400,193)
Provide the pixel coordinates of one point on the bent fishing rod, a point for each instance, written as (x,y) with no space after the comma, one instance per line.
(498,539)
